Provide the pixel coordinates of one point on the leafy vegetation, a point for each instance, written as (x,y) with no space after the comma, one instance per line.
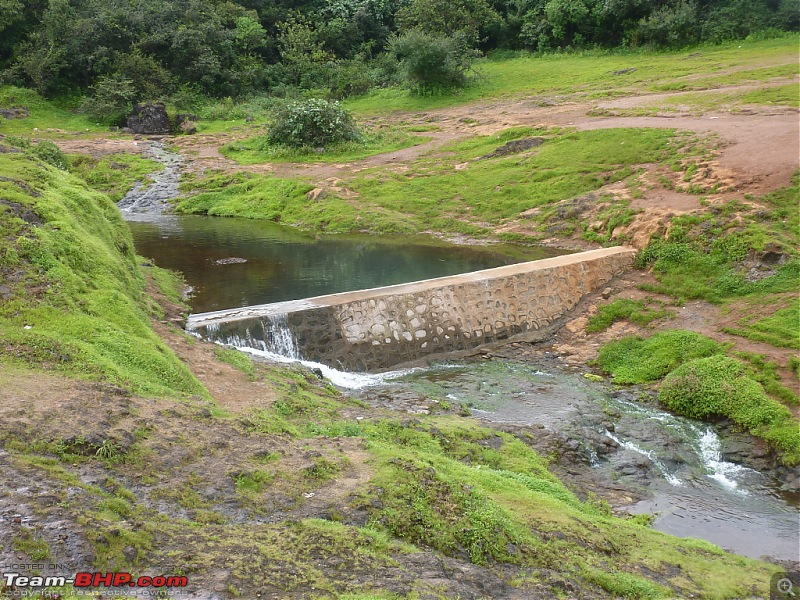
(259,149)
(239,48)
(721,386)
(312,124)
(431,63)
(78,307)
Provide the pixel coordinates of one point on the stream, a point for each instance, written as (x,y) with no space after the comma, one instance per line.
(654,462)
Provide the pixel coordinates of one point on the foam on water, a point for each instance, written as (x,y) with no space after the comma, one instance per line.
(342,379)
(720,470)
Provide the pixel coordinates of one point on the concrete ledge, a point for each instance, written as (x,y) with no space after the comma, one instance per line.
(377,328)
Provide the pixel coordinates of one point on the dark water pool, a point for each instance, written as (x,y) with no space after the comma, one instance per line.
(239,262)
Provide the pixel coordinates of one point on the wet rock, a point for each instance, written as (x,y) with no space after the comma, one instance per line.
(230,261)
(20,211)
(149,119)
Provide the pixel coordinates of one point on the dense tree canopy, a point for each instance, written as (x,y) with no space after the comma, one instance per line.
(159,48)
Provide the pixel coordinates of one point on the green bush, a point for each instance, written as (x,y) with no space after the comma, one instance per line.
(640,360)
(718,386)
(433,63)
(311,124)
(51,154)
(721,386)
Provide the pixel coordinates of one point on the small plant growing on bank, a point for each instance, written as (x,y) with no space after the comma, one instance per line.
(314,123)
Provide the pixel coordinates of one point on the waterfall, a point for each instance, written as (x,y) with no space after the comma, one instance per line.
(719,470)
(281,341)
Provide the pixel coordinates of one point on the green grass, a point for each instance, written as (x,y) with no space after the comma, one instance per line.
(77,300)
(235,358)
(46,118)
(634,311)
(635,359)
(256,151)
(701,102)
(702,383)
(590,74)
(438,484)
(113,174)
(434,194)
(703,255)
(781,329)
(443,189)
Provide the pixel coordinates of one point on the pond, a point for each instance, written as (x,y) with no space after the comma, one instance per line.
(239,262)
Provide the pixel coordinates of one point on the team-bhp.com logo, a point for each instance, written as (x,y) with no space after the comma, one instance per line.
(89,580)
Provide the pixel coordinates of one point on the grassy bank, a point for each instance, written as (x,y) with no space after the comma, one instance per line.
(593,75)
(72,287)
(466,187)
(433,489)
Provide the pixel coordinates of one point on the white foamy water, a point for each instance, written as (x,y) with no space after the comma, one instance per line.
(342,379)
(282,342)
(719,470)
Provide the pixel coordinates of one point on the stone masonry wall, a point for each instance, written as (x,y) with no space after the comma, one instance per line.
(379,328)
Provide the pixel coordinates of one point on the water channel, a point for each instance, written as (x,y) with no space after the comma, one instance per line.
(673,465)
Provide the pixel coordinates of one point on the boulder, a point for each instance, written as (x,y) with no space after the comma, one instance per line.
(14,112)
(149,118)
(188,127)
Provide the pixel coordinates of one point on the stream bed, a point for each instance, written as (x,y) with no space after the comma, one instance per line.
(668,466)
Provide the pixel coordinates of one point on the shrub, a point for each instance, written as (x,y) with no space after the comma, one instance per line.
(112,99)
(719,386)
(51,154)
(640,360)
(433,63)
(312,123)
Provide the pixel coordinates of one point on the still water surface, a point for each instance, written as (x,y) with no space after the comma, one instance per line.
(283,264)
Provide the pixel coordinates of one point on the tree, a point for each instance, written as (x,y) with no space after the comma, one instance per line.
(447,17)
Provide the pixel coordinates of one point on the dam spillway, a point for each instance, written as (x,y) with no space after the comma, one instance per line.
(378,328)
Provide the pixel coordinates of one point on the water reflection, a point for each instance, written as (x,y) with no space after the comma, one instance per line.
(284,264)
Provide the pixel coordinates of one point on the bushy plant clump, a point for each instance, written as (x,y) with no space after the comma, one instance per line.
(720,386)
(312,123)
(433,63)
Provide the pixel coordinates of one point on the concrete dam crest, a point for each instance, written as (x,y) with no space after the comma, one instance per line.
(379,328)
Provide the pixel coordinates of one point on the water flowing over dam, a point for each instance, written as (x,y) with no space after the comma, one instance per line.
(378,328)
